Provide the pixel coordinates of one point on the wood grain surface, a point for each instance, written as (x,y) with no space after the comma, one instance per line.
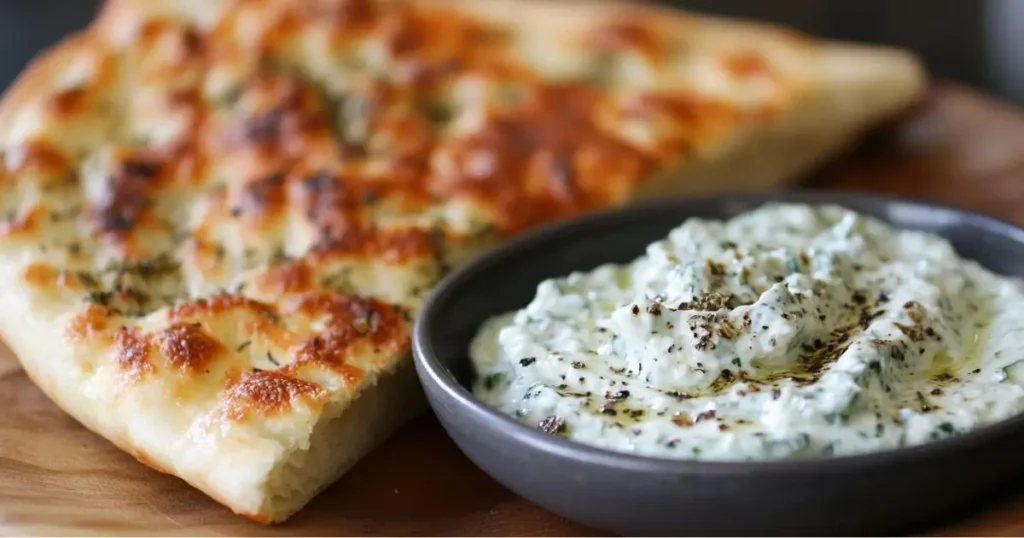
(57,478)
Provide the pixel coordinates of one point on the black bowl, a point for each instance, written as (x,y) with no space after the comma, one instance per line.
(885,492)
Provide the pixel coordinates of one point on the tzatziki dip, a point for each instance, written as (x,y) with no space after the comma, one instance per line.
(790,331)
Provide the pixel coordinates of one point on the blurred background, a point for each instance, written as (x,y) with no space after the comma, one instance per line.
(975,42)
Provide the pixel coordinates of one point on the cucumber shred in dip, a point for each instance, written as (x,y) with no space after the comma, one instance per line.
(790,331)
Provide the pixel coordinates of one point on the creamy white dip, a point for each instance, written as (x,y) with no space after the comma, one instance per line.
(787,332)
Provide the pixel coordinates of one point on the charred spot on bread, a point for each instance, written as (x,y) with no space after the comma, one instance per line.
(287,277)
(188,347)
(133,351)
(264,393)
(220,304)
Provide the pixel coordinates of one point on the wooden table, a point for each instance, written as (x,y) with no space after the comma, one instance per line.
(57,478)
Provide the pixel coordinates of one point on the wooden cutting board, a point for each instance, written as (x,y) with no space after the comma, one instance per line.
(57,478)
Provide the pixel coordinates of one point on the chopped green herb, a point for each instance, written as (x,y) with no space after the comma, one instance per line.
(493,380)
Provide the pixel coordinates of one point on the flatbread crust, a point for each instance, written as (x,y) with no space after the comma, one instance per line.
(220,216)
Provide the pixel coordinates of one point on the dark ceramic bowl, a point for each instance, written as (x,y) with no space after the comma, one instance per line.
(886,492)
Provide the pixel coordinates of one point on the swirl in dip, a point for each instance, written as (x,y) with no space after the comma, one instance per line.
(790,331)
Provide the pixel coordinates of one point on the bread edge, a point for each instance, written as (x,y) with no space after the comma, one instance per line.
(398,389)
(863,87)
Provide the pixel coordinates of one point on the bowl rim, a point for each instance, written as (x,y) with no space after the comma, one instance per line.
(431,371)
